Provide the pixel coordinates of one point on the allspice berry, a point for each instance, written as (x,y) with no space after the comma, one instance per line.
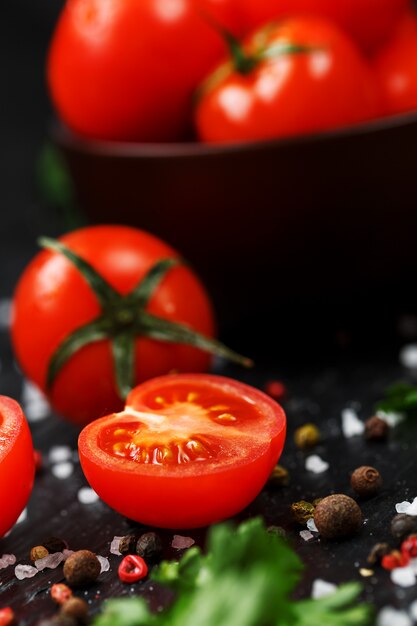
(376,429)
(77,609)
(81,568)
(337,516)
(366,481)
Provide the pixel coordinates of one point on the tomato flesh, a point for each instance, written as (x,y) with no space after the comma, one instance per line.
(187,451)
(17,463)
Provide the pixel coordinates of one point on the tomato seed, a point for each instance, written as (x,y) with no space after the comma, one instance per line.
(132,568)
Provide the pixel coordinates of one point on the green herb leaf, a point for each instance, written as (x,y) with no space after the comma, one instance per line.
(399,398)
(337,609)
(125,612)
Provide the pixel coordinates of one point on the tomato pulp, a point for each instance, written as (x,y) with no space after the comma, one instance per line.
(187,451)
(17,463)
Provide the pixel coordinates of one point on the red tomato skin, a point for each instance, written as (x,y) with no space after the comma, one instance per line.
(396,67)
(53,298)
(17,465)
(126,69)
(293,94)
(368,22)
(183,501)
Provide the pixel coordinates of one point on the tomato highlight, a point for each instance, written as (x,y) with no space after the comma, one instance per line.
(187,451)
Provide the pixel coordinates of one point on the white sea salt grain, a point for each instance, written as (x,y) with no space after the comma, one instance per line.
(6,560)
(408,356)
(59,454)
(403,576)
(315,464)
(62,470)
(50,561)
(306,535)
(67,553)
(322,588)
(5,313)
(35,405)
(104,562)
(389,616)
(351,424)
(25,571)
(114,546)
(410,508)
(413,610)
(181,543)
(311,525)
(391,418)
(86,495)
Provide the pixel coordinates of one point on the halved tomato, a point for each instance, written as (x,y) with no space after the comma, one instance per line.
(17,463)
(187,451)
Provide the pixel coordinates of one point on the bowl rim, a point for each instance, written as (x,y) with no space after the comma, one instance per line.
(67,138)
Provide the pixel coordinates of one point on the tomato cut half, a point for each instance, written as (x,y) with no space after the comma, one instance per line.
(17,463)
(187,451)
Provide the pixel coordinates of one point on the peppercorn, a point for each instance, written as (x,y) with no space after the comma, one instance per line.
(132,568)
(337,516)
(81,568)
(307,436)
(366,481)
(378,551)
(276,389)
(279,477)
(127,544)
(149,546)
(77,609)
(60,593)
(7,616)
(409,546)
(395,559)
(54,544)
(403,525)
(38,552)
(376,429)
(302,511)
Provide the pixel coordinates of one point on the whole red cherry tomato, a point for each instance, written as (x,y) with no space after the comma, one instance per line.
(17,463)
(127,69)
(369,22)
(106,308)
(396,67)
(300,76)
(187,451)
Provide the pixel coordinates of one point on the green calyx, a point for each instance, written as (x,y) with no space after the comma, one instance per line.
(123,319)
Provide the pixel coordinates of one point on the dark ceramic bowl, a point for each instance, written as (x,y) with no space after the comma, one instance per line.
(265,222)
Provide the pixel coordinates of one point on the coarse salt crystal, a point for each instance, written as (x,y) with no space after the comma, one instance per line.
(408,356)
(389,616)
(322,588)
(311,525)
(181,543)
(104,562)
(306,535)
(403,576)
(35,404)
(50,561)
(6,560)
(410,508)
(86,495)
(62,470)
(413,610)
(392,418)
(67,553)
(58,454)
(315,464)
(351,424)
(25,571)
(114,546)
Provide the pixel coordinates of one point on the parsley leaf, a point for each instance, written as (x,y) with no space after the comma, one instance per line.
(245,579)
(399,398)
